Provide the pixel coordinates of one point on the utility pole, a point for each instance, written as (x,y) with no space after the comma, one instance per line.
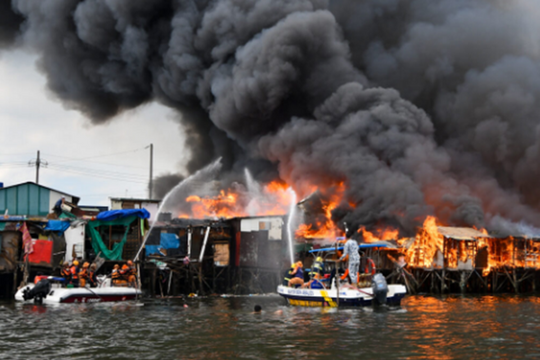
(37,167)
(150,183)
(38,162)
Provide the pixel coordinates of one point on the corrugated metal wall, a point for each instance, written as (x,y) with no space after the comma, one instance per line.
(26,199)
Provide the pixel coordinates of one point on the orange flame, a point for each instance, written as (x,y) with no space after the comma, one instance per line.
(275,200)
(324,228)
(380,234)
(426,251)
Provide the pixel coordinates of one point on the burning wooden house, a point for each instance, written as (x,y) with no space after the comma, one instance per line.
(443,259)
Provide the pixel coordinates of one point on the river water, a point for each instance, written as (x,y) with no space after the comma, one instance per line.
(424,327)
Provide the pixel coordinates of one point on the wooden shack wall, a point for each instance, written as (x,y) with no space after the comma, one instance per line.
(10,251)
(257,249)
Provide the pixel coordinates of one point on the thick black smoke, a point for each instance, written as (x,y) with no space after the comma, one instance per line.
(473,66)
(417,107)
(10,23)
(164,183)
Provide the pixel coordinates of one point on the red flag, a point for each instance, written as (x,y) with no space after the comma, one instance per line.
(28,246)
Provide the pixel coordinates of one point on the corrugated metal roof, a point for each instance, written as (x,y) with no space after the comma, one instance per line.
(461,233)
(76,199)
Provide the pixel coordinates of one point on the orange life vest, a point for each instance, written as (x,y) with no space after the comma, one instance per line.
(115,274)
(83,273)
(74,272)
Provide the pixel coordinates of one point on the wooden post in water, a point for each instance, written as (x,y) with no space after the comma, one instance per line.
(443,285)
(200,280)
(154,276)
(462,281)
(516,283)
(336,277)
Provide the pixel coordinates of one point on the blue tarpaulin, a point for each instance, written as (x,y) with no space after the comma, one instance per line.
(118,214)
(58,226)
(152,249)
(169,241)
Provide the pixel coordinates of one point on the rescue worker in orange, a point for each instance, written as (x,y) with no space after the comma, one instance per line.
(115,275)
(83,274)
(92,278)
(74,270)
(65,272)
(132,274)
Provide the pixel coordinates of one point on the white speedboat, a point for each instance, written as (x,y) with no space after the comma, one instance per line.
(378,293)
(51,291)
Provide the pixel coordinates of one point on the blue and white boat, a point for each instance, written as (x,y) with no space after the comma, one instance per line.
(347,296)
(328,295)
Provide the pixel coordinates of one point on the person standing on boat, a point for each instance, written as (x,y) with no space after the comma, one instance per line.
(350,249)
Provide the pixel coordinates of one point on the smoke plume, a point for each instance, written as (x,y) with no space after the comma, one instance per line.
(10,23)
(415,107)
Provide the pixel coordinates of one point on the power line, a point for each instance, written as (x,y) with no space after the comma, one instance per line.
(17,154)
(102,171)
(96,156)
(97,175)
(106,163)
(13,166)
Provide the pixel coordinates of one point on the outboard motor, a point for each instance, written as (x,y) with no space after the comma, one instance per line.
(38,292)
(380,288)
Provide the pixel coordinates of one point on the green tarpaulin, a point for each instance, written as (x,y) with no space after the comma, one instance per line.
(97,241)
(66,215)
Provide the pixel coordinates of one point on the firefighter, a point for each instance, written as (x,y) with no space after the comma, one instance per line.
(316,273)
(289,275)
(317,270)
(74,270)
(83,274)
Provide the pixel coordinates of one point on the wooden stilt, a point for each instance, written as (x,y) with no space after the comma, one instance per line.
(153,287)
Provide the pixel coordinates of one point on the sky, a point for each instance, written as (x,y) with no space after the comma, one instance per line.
(93,162)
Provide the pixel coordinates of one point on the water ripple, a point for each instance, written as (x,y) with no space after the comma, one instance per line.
(424,327)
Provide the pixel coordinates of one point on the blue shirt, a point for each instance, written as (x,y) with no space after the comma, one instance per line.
(299,273)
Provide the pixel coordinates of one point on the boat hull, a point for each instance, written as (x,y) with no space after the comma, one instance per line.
(347,297)
(84,295)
